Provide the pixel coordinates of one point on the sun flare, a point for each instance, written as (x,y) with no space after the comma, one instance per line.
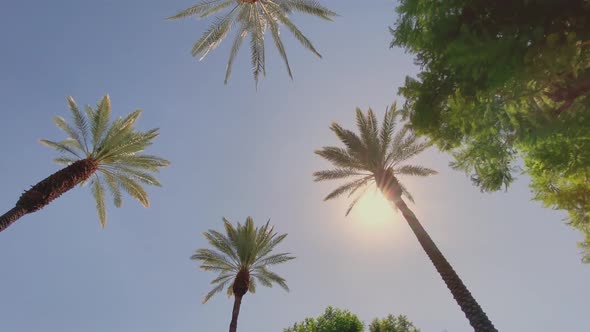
(373,208)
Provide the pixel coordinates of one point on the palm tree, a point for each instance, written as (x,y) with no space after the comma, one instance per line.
(242,257)
(252,17)
(375,157)
(98,152)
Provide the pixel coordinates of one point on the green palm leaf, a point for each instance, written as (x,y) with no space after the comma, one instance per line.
(377,150)
(116,149)
(198,9)
(253,18)
(313,8)
(244,247)
(98,193)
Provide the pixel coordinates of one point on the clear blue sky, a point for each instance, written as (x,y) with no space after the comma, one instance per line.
(238,152)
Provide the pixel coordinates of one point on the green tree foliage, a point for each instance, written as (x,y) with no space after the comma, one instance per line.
(242,257)
(254,18)
(392,323)
(332,320)
(338,320)
(503,80)
(108,155)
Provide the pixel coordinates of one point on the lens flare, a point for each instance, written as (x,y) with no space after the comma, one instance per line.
(373,208)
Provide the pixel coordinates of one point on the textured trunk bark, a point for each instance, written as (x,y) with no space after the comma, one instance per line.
(49,189)
(233,326)
(240,288)
(476,316)
(11,216)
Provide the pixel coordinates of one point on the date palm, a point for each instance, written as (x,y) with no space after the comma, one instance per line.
(252,17)
(98,152)
(376,157)
(242,256)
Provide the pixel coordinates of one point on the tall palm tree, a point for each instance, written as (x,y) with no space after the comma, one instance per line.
(252,17)
(242,256)
(98,152)
(375,157)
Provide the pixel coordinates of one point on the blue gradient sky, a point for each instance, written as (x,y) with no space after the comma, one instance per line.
(238,152)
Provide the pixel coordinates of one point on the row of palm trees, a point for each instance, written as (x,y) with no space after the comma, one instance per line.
(110,154)
(101,152)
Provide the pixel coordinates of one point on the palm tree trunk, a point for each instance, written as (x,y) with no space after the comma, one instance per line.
(49,189)
(476,316)
(11,216)
(233,326)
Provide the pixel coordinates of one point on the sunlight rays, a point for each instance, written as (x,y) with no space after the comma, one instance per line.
(374,210)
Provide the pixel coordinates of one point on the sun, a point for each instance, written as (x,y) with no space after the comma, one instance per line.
(373,208)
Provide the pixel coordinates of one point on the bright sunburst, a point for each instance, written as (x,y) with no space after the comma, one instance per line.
(373,208)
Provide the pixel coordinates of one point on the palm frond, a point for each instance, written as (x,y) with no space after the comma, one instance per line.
(64,160)
(222,243)
(387,128)
(257,45)
(59,147)
(135,174)
(312,7)
(101,121)
(355,145)
(214,9)
(407,151)
(118,132)
(274,240)
(114,188)
(213,258)
(98,193)
(334,174)
(214,291)
(263,280)
(197,9)
(80,122)
(147,162)
(223,276)
(131,142)
(252,286)
(274,29)
(297,33)
(270,277)
(134,189)
(274,260)
(415,170)
(339,157)
(242,33)
(71,132)
(213,36)
(254,17)
(355,200)
(345,188)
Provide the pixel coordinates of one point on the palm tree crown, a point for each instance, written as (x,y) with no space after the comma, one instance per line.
(240,254)
(113,151)
(372,156)
(252,17)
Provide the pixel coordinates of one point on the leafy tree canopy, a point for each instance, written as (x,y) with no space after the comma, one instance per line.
(501,80)
(332,320)
(338,320)
(392,323)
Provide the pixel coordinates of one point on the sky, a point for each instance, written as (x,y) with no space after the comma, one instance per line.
(238,151)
